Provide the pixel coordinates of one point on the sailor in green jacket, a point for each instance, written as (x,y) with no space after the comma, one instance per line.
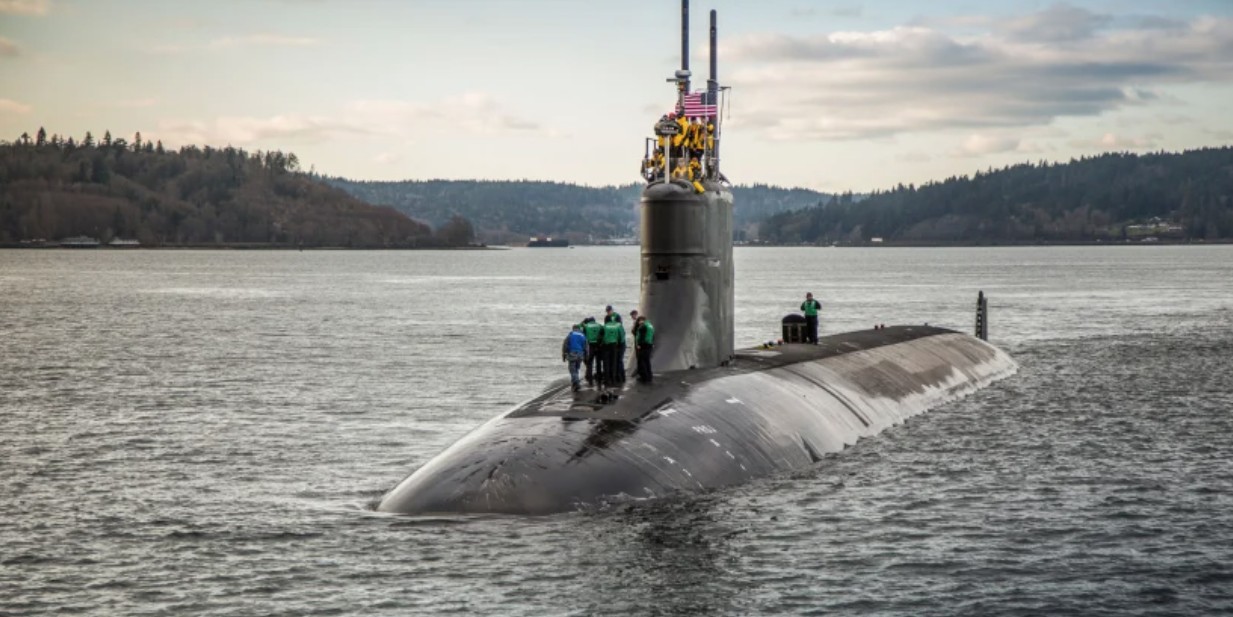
(595,366)
(611,346)
(644,344)
(811,308)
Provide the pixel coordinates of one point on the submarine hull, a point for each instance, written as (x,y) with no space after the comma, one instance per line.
(767,411)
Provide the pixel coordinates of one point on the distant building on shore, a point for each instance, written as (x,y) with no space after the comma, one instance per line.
(547,241)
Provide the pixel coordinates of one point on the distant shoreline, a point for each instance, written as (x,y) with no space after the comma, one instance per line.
(995,244)
(245,247)
(282,247)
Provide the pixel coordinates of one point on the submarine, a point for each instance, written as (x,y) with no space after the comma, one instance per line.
(714,416)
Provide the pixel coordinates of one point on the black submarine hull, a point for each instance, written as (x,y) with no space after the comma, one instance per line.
(767,411)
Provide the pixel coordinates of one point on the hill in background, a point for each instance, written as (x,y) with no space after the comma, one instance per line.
(51,188)
(1111,197)
(512,211)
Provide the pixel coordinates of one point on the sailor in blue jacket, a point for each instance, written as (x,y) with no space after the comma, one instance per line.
(574,351)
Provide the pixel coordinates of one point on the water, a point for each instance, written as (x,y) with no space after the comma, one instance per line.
(205,432)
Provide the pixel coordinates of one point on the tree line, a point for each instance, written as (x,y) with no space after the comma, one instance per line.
(512,211)
(53,187)
(1110,197)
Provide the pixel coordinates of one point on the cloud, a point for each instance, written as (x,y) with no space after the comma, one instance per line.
(980,144)
(387,158)
(236,42)
(9,106)
(24,7)
(473,113)
(850,85)
(809,11)
(134,103)
(241,130)
(1110,141)
(1059,23)
(264,40)
(9,49)
(914,156)
(1174,119)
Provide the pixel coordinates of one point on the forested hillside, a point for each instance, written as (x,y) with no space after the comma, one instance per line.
(51,188)
(514,210)
(1111,197)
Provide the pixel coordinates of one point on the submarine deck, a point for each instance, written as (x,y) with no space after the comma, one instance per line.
(636,400)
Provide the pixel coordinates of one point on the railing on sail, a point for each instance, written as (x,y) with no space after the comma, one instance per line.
(660,157)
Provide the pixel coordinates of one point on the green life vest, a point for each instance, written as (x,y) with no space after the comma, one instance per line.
(612,333)
(648,334)
(811,308)
(592,330)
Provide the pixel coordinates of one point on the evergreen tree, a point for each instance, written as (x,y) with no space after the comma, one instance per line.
(88,142)
(137,142)
(457,232)
(99,173)
(159,147)
(41,139)
(106,139)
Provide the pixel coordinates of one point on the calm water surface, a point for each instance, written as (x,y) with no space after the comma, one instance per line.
(205,432)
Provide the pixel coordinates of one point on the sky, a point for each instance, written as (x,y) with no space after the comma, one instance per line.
(833,96)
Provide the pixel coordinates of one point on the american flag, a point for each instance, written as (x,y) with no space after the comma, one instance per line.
(700,105)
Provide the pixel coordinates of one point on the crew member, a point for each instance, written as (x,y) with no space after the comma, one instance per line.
(621,349)
(644,344)
(592,329)
(681,170)
(695,174)
(632,365)
(680,142)
(697,139)
(574,350)
(611,344)
(811,308)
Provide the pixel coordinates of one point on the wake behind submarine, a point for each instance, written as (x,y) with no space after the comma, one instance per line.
(714,416)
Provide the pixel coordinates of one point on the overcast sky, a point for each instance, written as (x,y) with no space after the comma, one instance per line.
(827,95)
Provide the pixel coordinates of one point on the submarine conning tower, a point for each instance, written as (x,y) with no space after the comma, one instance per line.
(686,232)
